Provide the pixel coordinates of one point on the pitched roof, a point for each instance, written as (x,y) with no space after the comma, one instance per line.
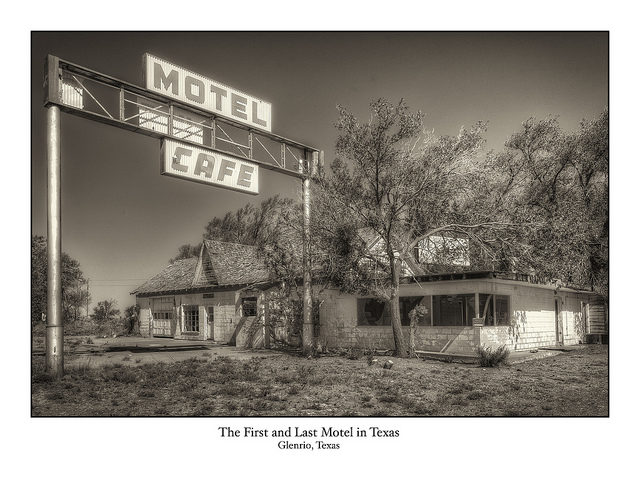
(220,264)
(177,276)
(233,263)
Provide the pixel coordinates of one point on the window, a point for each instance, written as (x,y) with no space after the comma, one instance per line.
(454,310)
(495,309)
(503,314)
(191,318)
(208,295)
(250,306)
(409,303)
(162,308)
(374,312)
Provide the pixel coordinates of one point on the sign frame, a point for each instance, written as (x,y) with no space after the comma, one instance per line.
(211,93)
(165,150)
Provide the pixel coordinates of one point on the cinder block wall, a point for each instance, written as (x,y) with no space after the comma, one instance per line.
(339,328)
(532,311)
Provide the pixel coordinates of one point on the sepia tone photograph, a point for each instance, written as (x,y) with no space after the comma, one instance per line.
(320,224)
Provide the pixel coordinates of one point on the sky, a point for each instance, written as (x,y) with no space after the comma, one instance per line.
(123,221)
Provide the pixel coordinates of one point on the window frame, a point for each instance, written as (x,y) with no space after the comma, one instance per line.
(191,318)
(246,301)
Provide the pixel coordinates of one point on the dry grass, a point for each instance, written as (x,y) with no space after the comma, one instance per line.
(571,384)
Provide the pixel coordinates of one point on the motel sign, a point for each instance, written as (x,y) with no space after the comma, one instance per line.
(175,82)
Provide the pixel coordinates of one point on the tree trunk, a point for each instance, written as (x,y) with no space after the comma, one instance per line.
(394,304)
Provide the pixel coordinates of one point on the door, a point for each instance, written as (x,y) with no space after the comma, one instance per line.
(559,337)
(161,326)
(210,322)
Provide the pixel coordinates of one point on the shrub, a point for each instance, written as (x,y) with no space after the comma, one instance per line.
(488,357)
(354,353)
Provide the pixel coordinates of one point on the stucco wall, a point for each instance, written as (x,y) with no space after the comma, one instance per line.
(226,315)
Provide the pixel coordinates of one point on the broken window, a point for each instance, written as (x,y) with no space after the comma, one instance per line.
(421,304)
(454,310)
(250,306)
(375,312)
(495,309)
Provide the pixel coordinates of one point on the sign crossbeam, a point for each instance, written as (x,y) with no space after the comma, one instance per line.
(84,92)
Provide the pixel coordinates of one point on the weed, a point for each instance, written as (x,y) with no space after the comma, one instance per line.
(460,388)
(490,358)
(354,353)
(121,375)
(41,377)
(203,410)
(389,397)
(54,396)
(293,390)
(474,395)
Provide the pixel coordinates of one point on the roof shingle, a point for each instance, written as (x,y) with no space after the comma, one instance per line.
(223,264)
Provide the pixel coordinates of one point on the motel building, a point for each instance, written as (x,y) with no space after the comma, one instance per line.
(221,296)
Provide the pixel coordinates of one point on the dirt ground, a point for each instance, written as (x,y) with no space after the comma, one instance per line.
(221,381)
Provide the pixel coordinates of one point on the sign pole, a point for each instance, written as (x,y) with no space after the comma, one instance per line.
(55,333)
(307,319)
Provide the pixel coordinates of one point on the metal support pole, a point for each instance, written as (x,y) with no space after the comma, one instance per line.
(307,319)
(55,333)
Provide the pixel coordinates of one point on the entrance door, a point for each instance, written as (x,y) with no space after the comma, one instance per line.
(162,327)
(559,338)
(210,322)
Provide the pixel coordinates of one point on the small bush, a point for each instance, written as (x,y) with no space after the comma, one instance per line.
(490,358)
(354,353)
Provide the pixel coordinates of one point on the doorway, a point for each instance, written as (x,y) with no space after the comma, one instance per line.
(210,322)
(558,318)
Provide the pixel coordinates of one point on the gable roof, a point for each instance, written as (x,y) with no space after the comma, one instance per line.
(219,264)
(177,276)
(227,264)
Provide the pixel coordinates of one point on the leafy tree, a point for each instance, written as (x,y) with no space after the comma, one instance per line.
(186,251)
(73,295)
(131,319)
(105,311)
(391,178)
(250,225)
(559,181)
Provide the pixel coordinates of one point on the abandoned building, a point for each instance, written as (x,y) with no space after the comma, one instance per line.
(221,296)
(210,297)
